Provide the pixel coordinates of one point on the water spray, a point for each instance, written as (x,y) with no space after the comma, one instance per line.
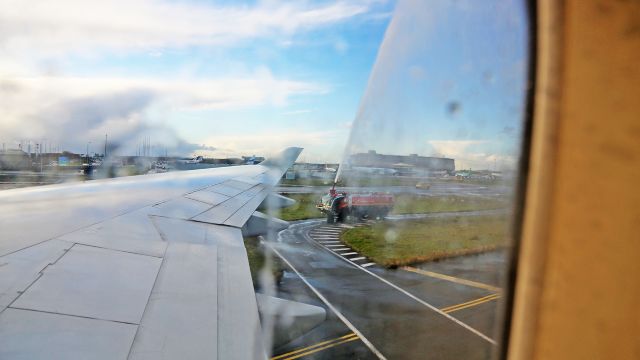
(332,191)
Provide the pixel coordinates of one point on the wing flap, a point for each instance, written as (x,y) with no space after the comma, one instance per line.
(241,185)
(203,304)
(225,190)
(240,217)
(224,212)
(180,321)
(95,283)
(239,332)
(33,335)
(22,268)
(209,197)
(180,208)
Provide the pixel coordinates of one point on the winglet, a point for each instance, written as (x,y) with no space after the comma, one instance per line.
(283,160)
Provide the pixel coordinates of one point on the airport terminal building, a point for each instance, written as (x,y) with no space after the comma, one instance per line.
(403,163)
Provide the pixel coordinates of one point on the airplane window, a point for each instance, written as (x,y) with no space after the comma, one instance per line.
(147,157)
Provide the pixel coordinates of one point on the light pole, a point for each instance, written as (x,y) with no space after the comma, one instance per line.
(88,143)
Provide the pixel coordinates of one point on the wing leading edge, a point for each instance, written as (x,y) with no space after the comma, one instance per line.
(144,267)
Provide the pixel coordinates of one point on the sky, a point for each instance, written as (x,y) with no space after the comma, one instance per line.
(449,80)
(230,78)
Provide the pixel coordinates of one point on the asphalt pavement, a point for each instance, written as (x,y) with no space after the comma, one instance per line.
(441,310)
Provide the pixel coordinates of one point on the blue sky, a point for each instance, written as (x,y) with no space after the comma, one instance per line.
(449,80)
(253,77)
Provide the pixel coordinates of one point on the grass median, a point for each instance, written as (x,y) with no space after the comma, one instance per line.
(415,204)
(257,256)
(304,208)
(404,204)
(407,242)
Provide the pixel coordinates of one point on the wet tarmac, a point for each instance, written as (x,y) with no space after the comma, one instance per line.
(439,310)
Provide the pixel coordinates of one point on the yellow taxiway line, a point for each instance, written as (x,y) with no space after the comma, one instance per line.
(316,347)
(471,303)
(452,279)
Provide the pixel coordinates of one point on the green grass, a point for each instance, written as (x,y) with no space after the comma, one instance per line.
(379,180)
(364,181)
(404,204)
(413,204)
(257,260)
(385,180)
(307,182)
(486,182)
(304,208)
(374,180)
(407,242)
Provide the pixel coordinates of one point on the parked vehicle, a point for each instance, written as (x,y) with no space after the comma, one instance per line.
(342,207)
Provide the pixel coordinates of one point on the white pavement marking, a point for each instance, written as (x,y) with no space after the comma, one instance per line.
(464,325)
(349,253)
(329,242)
(358,258)
(367,264)
(334,245)
(330,306)
(341,249)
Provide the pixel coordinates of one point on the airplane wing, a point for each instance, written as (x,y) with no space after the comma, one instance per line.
(142,267)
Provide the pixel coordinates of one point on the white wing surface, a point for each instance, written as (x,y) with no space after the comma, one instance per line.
(143,267)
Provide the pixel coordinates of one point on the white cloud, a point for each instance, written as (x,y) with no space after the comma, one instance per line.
(63,26)
(272,142)
(259,89)
(71,109)
(454,148)
(37,39)
(474,154)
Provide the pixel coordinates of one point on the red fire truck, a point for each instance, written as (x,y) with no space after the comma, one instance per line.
(340,206)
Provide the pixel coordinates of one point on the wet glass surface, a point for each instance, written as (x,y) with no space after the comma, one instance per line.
(414,246)
(410,113)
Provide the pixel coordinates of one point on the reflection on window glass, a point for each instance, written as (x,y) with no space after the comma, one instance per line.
(388,238)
